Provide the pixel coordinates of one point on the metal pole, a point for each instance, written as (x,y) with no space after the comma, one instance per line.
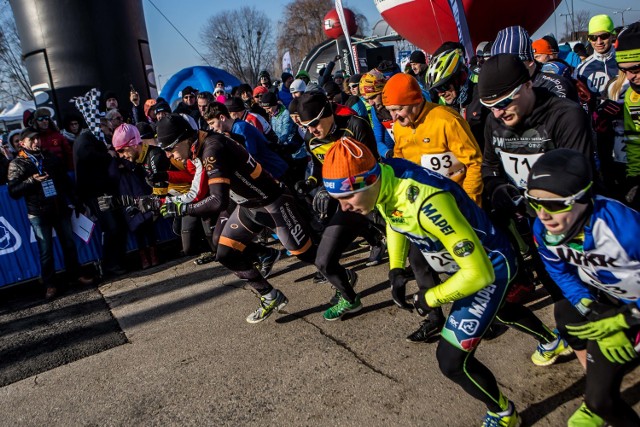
(573,22)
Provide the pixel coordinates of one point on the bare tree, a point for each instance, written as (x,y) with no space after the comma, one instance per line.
(302,27)
(240,42)
(14,81)
(579,23)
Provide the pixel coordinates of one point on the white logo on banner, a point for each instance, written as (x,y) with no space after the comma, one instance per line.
(10,240)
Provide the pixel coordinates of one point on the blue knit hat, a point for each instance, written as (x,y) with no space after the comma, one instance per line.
(514,40)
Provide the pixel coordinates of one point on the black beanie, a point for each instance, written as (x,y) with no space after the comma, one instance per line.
(417,57)
(269,99)
(146,130)
(311,104)
(332,89)
(171,130)
(235,105)
(500,75)
(562,171)
(628,48)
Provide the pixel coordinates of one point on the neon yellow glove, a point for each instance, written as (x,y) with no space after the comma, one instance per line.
(599,328)
(617,348)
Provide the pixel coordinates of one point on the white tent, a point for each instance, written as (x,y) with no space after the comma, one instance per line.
(14,113)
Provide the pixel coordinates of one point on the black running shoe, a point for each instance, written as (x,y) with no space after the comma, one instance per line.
(429,329)
(376,254)
(319,278)
(267,260)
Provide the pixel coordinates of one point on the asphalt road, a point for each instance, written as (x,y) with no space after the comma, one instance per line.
(189,358)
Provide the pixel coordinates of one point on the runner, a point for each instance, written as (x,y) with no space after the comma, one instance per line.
(433,212)
(589,245)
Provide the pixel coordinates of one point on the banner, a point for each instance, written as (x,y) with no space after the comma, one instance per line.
(457,9)
(353,48)
(286,62)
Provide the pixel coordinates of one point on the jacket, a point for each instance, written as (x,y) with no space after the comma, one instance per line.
(441,140)
(597,70)
(22,184)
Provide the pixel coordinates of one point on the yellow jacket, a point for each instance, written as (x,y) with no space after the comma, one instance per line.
(441,140)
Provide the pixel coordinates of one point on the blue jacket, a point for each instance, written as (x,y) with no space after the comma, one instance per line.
(607,260)
(285,95)
(384,140)
(287,132)
(256,145)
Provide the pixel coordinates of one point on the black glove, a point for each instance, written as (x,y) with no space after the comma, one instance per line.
(131,211)
(398,280)
(633,193)
(172,209)
(159,177)
(604,114)
(506,199)
(321,203)
(420,303)
(105,203)
(304,186)
(148,204)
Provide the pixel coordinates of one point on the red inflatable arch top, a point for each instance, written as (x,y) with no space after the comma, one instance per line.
(429,23)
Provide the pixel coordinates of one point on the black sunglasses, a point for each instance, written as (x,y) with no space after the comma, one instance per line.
(43,118)
(633,69)
(594,37)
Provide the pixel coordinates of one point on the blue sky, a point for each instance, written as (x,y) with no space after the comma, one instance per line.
(171,53)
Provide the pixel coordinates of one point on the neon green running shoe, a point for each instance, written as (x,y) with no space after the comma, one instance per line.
(584,417)
(343,307)
(496,420)
(547,355)
(268,306)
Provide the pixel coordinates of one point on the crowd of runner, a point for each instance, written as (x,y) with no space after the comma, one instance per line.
(483,178)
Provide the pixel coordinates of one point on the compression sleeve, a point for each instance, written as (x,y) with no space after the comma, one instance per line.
(441,217)
(398,247)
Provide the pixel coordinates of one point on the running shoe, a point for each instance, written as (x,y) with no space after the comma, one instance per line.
(547,354)
(584,417)
(376,254)
(496,420)
(343,307)
(266,261)
(267,306)
(429,328)
(319,278)
(205,258)
(352,277)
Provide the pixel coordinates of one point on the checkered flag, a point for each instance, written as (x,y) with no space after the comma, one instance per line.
(88,106)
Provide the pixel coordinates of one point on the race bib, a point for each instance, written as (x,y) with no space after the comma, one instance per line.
(517,166)
(627,288)
(441,262)
(445,164)
(48,188)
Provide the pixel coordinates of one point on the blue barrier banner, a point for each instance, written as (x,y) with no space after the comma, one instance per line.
(19,255)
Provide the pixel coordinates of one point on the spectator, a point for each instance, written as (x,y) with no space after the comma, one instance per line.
(14,141)
(325,73)
(246,94)
(50,139)
(601,66)
(188,104)
(581,51)
(204,99)
(304,76)
(237,110)
(371,85)
(418,62)
(110,101)
(72,127)
(284,94)
(542,51)
(47,189)
(136,110)
(338,78)
(354,101)
(162,109)
(149,110)
(297,88)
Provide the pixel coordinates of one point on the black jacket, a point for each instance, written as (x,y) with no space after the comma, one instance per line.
(22,184)
(553,123)
(91,161)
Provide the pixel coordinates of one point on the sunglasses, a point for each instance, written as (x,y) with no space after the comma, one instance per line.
(315,121)
(555,205)
(43,118)
(595,37)
(634,69)
(189,96)
(354,86)
(504,102)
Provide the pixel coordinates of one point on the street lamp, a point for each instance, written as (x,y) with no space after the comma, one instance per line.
(621,12)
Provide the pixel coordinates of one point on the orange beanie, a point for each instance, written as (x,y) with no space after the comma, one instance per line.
(402,89)
(349,167)
(542,47)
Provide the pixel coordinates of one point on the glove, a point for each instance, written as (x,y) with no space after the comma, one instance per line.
(148,203)
(420,303)
(304,186)
(607,111)
(172,209)
(105,203)
(158,177)
(617,348)
(600,328)
(131,211)
(632,197)
(506,198)
(321,203)
(398,281)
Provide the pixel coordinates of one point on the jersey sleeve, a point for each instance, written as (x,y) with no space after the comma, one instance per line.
(441,217)
(218,169)
(398,248)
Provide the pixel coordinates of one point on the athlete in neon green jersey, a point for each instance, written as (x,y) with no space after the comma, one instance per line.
(456,237)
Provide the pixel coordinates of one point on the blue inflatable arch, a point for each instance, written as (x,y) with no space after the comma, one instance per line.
(200,77)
